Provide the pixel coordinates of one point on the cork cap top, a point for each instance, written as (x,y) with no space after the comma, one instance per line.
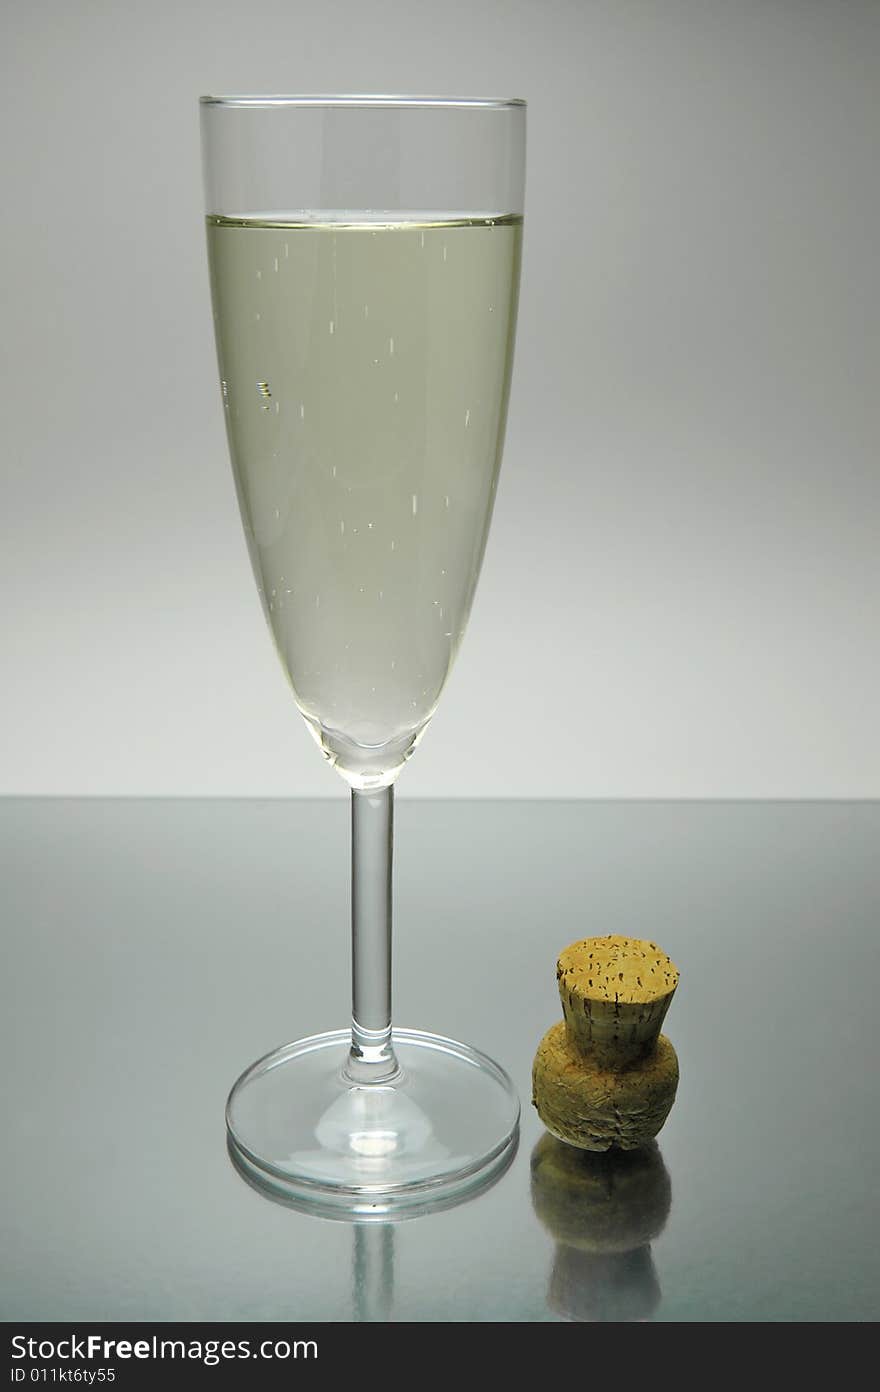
(625,971)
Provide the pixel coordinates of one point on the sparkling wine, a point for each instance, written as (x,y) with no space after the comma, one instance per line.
(365,370)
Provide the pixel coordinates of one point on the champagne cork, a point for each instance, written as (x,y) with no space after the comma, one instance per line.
(604,1077)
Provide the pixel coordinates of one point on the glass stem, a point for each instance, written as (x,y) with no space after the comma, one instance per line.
(371,1059)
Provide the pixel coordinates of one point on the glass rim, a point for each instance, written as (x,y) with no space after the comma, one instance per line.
(356,100)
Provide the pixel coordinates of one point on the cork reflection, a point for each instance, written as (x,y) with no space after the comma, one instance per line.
(603,1209)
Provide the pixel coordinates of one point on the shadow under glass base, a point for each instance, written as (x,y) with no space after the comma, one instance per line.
(445,1126)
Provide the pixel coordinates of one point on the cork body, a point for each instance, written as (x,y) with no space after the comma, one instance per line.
(604,1077)
(595,1106)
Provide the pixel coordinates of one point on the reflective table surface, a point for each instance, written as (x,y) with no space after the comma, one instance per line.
(153,949)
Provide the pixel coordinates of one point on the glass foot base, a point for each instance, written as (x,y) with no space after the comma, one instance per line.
(445,1126)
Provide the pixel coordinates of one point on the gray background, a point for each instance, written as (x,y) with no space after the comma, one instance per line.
(680,590)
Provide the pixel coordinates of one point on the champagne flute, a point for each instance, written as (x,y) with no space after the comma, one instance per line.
(364,256)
